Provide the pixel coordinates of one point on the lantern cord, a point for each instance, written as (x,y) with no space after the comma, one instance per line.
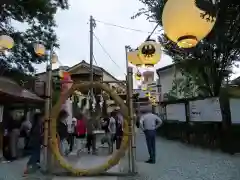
(106,51)
(152,32)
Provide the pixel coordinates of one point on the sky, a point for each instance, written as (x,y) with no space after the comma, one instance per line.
(73,33)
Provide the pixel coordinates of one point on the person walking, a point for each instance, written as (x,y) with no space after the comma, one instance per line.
(112,128)
(14,133)
(62,130)
(91,137)
(149,122)
(119,129)
(35,141)
(71,134)
(25,129)
(81,130)
(107,136)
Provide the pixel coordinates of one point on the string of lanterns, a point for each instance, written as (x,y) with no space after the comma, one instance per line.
(183,23)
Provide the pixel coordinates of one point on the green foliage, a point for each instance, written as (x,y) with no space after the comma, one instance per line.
(38,17)
(209,62)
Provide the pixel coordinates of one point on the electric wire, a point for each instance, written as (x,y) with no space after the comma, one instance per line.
(106,52)
(94,59)
(123,27)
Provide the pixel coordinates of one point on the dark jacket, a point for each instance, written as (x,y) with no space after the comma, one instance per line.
(62,130)
(36,135)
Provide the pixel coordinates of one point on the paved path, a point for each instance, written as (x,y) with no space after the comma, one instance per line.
(14,170)
(176,161)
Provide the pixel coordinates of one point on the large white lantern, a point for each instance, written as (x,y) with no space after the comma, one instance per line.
(54,58)
(183,24)
(148,77)
(134,59)
(39,49)
(6,42)
(150,53)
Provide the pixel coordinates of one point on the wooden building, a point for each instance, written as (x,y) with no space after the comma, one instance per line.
(14,96)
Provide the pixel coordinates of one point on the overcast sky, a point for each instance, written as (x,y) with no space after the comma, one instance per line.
(73,33)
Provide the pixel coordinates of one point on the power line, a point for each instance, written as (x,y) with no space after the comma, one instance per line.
(123,27)
(103,48)
(95,60)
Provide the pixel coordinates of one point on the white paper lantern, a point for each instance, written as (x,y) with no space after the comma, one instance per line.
(54,58)
(183,24)
(39,49)
(150,53)
(134,59)
(6,42)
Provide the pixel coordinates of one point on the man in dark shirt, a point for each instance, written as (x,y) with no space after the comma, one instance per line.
(107,137)
(91,137)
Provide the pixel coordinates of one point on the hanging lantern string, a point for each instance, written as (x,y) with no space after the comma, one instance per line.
(149,36)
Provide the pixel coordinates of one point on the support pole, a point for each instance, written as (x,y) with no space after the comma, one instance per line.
(132,146)
(132,122)
(47,150)
(91,53)
(129,122)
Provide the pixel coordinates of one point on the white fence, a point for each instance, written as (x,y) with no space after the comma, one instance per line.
(206,110)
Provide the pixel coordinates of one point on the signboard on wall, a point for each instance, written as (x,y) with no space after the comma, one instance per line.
(235,110)
(207,110)
(176,112)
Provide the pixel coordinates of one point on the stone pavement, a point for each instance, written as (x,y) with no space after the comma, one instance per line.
(14,170)
(176,161)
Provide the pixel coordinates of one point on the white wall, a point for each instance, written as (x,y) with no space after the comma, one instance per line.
(166,81)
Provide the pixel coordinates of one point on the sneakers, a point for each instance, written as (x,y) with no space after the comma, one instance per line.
(150,161)
(27,170)
(31,169)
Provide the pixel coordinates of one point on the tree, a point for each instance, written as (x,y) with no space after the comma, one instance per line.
(183,87)
(209,62)
(38,16)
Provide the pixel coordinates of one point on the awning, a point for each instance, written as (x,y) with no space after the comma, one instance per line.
(10,89)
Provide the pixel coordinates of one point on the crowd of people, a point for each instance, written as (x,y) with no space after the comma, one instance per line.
(15,126)
(81,129)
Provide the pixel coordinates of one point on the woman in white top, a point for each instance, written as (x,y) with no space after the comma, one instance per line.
(71,134)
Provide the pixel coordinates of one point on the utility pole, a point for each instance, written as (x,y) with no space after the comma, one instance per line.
(48,91)
(91,61)
(131,124)
(91,50)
